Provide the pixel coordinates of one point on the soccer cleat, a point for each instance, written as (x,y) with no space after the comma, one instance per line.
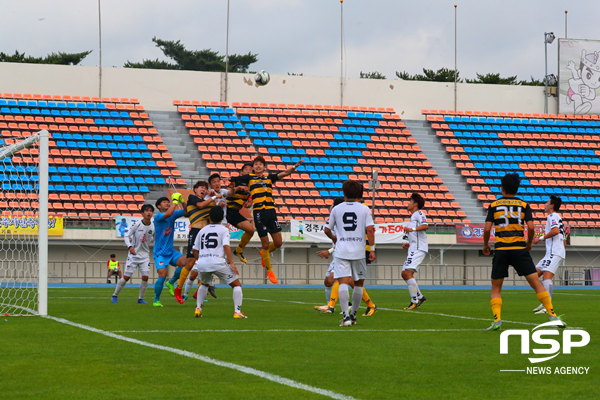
(113,299)
(141,301)
(353,319)
(239,315)
(538,308)
(324,309)
(195,296)
(240,255)
(211,291)
(157,304)
(370,311)
(272,277)
(411,306)
(261,260)
(185,297)
(421,301)
(198,313)
(109,282)
(542,311)
(495,326)
(346,322)
(178,297)
(558,318)
(171,288)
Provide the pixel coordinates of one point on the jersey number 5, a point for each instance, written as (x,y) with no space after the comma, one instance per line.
(509,212)
(349,220)
(209,241)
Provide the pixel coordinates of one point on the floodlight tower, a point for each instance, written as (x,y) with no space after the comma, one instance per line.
(548,39)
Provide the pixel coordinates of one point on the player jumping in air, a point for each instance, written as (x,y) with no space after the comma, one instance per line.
(507,214)
(213,255)
(239,197)
(332,286)
(137,239)
(265,216)
(350,220)
(555,247)
(164,252)
(197,208)
(417,249)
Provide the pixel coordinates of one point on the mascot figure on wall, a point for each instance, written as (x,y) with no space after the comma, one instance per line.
(585,81)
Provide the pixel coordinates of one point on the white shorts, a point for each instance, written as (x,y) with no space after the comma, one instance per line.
(357,269)
(331,268)
(222,270)
(413,260)
(549,263)
(132,265)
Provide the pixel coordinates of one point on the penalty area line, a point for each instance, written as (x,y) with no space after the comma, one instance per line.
(247,370)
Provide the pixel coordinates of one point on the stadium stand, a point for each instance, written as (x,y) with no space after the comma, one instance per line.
(105,153)
(337,143)
(554,154)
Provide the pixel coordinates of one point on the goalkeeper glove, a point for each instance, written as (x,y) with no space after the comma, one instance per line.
(177,198)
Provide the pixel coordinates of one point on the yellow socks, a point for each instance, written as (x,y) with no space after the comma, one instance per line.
(243,242)
(545,299)
(335,293)
(496,307)
(183,277)
(266,258)
(272,247)
(366,299)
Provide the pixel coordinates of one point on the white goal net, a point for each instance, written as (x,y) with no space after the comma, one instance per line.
(23,242)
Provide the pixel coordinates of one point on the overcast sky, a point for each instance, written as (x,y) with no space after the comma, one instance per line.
(303,36)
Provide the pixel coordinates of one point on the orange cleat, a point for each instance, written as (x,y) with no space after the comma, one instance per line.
(178,297)
(261,260)
(272,277)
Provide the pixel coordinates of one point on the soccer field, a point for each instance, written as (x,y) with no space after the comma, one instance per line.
(440,351)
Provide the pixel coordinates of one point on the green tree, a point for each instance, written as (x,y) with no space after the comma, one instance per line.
(494,79)
(532,82)
(372,75)
(53,58)
(194,60)
(429,75)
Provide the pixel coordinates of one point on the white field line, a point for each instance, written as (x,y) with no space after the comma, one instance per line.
(298,330)
(247,370)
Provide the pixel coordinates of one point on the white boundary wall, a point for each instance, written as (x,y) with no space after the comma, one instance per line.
(156,89)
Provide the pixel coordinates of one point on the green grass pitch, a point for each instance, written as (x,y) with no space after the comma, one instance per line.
(430,353)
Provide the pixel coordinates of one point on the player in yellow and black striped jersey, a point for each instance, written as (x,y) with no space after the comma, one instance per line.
(265,216)
(238,198)
(509,215)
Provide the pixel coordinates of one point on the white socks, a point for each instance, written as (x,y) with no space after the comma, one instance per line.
(357,294)
(143,287)
(328,294)
(202,292)
(344,298)
(548,285)
(120,285)
(413,289)
(188,286)
(237,298)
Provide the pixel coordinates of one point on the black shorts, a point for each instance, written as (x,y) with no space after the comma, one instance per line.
(191,240)
(265,222)
(234,217)
(520,260)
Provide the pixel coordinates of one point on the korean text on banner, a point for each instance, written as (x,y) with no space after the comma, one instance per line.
(10,225)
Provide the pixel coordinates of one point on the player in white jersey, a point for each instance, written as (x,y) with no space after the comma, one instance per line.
(555,247)
(350,220)
(417,249)
(137,239)
(213,256)
(214,181)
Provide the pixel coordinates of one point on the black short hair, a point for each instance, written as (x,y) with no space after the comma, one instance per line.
(352,189)
(556,202)
(113,256)
(246,165)
(511,183)
(216,214)
(147,207)
(338,200)
(213,176)
(160,201)
(417,198)
(259,159)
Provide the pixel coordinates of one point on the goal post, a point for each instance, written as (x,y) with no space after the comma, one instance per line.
(24,207)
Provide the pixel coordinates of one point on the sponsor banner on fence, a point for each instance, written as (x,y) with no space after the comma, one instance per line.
(182,227)
(473,233)
(314,232)
(10,225)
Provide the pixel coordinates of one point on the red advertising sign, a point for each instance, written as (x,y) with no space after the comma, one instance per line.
(473,233)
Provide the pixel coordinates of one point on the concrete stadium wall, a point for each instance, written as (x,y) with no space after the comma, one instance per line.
(156,89)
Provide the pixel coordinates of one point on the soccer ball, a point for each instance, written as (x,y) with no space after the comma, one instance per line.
(116,269)
(262,78)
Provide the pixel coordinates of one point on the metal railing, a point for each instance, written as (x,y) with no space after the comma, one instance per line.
(313,274)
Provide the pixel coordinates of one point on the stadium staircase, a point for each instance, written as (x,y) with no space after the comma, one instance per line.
(554,154)
(443,164)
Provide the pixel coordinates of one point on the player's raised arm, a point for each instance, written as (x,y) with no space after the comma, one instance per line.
(289,171)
